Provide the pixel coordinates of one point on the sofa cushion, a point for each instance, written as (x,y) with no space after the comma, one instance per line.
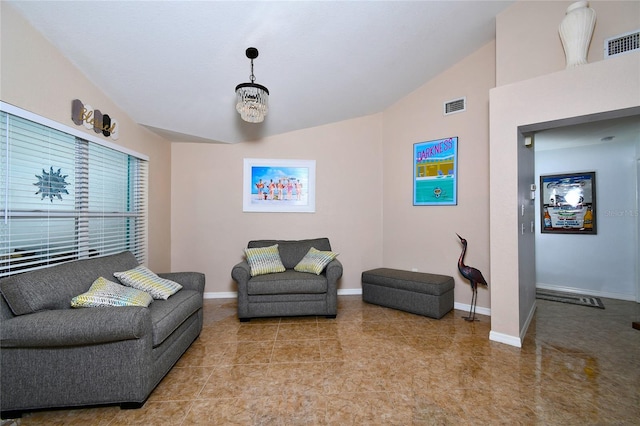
(106,293)
(292,251)
(264,260)
(143,279)
(288,282)
(168,315)
(315,261)
(54,287)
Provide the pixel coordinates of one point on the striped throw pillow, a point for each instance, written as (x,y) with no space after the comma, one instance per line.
(142,278)
(106,293)
(315,261)
(264,260)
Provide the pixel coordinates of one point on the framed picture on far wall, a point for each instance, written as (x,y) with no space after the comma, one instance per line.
(286,186)
(568,203)
(435,172)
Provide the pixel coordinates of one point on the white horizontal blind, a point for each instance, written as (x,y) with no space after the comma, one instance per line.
(64,198)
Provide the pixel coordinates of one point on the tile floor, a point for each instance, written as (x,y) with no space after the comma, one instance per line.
(379,366)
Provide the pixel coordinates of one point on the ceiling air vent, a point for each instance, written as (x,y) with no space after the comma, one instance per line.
(623,43)
(455,105)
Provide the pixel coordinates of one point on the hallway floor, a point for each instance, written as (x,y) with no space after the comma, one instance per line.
(379,366)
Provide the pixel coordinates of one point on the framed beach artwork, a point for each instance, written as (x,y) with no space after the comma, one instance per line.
(286,186)
(435,172)
(568,203)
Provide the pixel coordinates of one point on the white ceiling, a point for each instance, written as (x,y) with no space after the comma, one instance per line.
(173,65)
(609,131)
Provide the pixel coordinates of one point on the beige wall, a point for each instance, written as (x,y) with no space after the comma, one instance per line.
(36,77)
(554,97)
(364,189)
(554,94)
(210,230)
(364,166)
(527,40)
(424,237)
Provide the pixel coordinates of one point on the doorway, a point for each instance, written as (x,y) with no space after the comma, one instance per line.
(553,100)
(604,264)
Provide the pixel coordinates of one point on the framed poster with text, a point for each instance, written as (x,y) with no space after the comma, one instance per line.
(435,172)
(568,203)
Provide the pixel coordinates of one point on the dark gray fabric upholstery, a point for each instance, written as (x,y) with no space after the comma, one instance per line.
(63,357)
(74,327)
(167,354)
(74,376)
(288,293)
(290,308)
(288,282)
(53,288)
(292,252)
(167,315)
(419,282)
(188,280)
(419,293)
(294,297)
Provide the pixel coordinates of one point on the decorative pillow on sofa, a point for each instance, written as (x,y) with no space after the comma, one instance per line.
(264,260)
(315,261)
(106,293)
(142,278)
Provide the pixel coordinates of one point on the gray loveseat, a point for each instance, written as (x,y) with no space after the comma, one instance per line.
(53,355)
(288,293)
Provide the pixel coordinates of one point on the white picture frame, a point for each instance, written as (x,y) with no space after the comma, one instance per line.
(279,186)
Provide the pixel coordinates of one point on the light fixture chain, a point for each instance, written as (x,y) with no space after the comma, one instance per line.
(252,77)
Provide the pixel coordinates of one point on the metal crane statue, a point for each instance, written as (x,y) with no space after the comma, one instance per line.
(474,276)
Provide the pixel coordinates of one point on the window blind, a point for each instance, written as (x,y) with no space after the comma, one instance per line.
(65,198)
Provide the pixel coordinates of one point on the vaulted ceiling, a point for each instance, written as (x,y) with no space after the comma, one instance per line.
(173,65)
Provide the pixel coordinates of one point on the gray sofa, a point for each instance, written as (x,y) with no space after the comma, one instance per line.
(288,293)
(53,355)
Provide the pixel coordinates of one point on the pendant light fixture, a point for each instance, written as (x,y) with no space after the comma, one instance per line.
(252,98)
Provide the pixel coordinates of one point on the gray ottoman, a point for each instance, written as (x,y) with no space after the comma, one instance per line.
(416,292)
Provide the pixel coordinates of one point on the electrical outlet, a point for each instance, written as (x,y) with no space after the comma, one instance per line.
(414,269)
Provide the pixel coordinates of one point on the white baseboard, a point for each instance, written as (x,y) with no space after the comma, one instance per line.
(575,290)
(505,338)
(512,340)
(221,295)
(347,292)
(350,292)
(532,312)
(465,307)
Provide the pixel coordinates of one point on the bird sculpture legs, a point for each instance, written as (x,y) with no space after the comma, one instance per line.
(472,308)
(474,276)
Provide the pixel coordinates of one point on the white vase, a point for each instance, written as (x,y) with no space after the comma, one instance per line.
(576,30)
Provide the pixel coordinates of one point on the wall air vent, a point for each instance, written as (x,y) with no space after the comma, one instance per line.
(455,105)
(622,43)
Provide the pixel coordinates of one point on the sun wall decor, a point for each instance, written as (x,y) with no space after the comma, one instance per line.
(51,185)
